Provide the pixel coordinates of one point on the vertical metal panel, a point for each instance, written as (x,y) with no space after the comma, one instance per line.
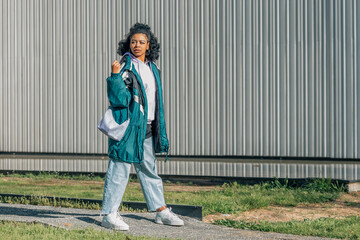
(240,77)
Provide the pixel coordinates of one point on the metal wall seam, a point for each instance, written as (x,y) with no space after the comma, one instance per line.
(357,77)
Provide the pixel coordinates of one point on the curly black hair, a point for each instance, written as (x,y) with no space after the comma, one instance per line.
(154,49)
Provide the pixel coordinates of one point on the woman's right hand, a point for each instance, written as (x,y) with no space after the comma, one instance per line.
(115,67)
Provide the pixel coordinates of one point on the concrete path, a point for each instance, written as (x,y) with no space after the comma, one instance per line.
(140,223)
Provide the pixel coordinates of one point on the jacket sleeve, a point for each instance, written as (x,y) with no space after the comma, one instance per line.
(118,93)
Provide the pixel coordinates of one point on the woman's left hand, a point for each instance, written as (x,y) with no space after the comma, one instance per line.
(115,66)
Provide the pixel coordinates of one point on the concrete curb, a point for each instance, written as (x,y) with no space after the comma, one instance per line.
(192,211)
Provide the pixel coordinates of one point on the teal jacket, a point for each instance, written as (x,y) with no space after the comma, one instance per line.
(127,98)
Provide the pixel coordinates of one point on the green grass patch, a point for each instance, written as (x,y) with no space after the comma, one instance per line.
(42,201)
(347,228)
(39,200)
(230,198)
(17,230)
(235,198)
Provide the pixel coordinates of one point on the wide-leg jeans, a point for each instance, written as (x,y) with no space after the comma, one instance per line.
(117,177)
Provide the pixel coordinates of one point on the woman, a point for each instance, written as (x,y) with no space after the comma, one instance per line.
(134,91)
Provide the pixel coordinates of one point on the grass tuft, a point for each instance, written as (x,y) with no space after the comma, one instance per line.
(325,185)
(39,200)
(18,230)
(348,227)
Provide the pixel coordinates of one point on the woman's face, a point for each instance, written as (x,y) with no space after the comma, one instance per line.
(138,45)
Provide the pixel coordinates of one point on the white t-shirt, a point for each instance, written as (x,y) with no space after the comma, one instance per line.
(148,79)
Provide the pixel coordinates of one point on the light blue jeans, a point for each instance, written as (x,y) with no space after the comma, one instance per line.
(117,177)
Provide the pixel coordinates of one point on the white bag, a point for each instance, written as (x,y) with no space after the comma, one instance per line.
(111,128)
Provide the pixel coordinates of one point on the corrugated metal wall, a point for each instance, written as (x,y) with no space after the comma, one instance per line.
(255,78)
(247,168)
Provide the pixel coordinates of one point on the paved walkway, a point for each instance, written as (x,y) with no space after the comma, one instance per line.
(140,223)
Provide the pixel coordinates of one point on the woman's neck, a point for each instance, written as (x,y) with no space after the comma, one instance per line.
(142,58)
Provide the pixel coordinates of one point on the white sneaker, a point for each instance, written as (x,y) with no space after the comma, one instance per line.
(114,221)
(168,217)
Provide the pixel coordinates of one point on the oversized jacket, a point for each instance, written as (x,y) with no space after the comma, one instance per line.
(127,99)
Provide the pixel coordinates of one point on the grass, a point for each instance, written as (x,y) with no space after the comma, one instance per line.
(38,200)
(235,198)
(230,198)
(17,230)
(347,228)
